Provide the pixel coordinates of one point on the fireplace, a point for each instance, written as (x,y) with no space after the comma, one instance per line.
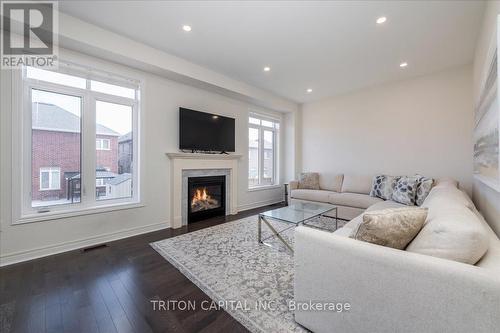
(206,197)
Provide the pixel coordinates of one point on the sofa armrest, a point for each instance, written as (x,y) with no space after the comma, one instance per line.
(389,290)
(293,185)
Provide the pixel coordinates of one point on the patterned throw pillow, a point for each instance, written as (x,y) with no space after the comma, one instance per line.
(406,190)
(393,227)
(424,186)
(309,181)
(383,186)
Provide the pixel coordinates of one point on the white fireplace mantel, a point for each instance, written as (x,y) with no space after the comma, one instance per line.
(193,161)
(196,156)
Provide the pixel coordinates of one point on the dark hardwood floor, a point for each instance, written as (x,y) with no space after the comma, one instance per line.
(108,289)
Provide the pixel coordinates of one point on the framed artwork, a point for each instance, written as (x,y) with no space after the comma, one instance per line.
(487,123)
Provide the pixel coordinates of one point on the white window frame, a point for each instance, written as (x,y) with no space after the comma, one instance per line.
(261,128)
(21,150)
(99,144)
(50,170)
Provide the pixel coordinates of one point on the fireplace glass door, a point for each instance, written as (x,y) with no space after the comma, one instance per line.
(206,197)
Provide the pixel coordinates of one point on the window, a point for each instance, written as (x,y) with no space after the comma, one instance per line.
(114,119)
(262,148)
(56,141)
(50,179)
(54,77)
(62,169)
(112,89)
(102,144)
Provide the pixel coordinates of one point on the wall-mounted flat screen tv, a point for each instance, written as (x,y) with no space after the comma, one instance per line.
(205,131)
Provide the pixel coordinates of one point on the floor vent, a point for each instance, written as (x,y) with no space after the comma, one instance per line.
(95,247)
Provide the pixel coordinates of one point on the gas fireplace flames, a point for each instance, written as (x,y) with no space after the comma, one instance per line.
(202,201)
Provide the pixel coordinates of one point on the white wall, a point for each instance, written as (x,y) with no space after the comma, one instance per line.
(422,125)
(486,199)
(293,140)
(162,98)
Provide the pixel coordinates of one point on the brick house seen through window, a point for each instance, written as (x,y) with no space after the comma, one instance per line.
(56,146)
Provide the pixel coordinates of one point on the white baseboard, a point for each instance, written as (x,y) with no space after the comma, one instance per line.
(258,204)
(17,257)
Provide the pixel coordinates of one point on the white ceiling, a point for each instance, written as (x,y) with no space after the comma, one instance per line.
(332,47)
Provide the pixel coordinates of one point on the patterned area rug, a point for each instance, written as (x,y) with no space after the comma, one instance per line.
(6,316)
(253,282)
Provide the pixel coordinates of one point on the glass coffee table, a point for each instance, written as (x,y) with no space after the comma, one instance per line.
(297,213)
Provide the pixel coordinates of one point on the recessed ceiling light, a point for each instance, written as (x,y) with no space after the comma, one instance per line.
(381,20)
(186,28)
(309,90)
(403,64)
(267,69)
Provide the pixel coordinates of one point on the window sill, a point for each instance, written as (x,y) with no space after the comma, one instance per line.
(55,215)
(264,187)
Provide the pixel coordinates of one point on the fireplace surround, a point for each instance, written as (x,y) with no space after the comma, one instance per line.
(185,165)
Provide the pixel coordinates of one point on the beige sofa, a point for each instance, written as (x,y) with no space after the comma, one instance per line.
(391,290)
(350,193)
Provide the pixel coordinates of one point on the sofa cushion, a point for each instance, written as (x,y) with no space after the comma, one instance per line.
(350,226)
(452,232)
(309,181)
(446,182)
(347,212)
(446,196)
(384,205)
(453,229)
(355,222)
(344,232)
(330,182)
(311,195)
(353,199)
(357,184)
(383,186)
(406,190)
(393,227)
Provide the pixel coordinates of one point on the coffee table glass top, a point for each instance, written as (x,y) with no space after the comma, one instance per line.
(298,211)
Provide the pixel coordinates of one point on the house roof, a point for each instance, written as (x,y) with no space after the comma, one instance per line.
(120,179)
(125,137)
(98,174)
(51,117)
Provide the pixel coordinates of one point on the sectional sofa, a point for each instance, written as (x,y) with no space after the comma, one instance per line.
(433,286)
(350,193)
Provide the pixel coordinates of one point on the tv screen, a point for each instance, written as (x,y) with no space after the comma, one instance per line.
(205,131)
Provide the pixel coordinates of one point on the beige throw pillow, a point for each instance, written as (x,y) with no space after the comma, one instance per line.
(309,181)
(393,227)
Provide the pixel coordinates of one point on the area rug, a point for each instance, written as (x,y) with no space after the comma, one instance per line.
(251,281)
